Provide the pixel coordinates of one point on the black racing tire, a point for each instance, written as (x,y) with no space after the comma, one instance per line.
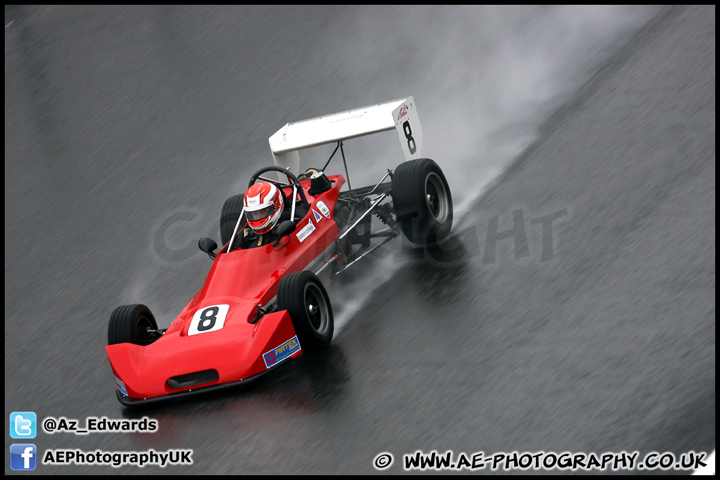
(422,201)
(231,210)
(303,295)
(129,324)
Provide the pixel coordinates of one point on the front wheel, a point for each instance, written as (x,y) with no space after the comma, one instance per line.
(229,216)
(303,295)
(132,324)
(422,201)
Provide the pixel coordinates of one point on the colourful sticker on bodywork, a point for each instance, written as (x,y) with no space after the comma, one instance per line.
(120,386)
(281,352)
(318,217)
(323,209)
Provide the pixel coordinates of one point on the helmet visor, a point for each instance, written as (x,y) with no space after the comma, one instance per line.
(264,212)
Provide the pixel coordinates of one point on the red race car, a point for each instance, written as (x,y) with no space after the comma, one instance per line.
(263,301)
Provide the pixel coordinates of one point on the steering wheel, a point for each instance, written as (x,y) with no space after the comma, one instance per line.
(292,179)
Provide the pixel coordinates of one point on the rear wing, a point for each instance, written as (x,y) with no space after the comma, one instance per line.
(399,114)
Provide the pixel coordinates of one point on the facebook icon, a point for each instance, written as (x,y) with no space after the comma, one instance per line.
(23,456)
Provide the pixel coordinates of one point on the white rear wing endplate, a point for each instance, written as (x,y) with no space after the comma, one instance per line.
(400,114)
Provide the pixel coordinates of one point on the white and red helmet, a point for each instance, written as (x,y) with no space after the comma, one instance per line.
(263,206)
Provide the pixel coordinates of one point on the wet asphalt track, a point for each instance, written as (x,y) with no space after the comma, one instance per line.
(598,336)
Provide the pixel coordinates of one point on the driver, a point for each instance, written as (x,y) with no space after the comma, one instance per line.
(264,204)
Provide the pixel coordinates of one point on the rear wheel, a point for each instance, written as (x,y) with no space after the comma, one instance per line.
(231,210)
(132,324)
(303,295)
(422,201)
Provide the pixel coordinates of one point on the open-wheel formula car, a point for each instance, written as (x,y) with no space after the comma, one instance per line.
(263,301)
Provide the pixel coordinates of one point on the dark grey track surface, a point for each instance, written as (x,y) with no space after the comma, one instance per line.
(119,121)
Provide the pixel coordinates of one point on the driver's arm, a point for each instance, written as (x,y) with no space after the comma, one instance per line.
(245,238)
